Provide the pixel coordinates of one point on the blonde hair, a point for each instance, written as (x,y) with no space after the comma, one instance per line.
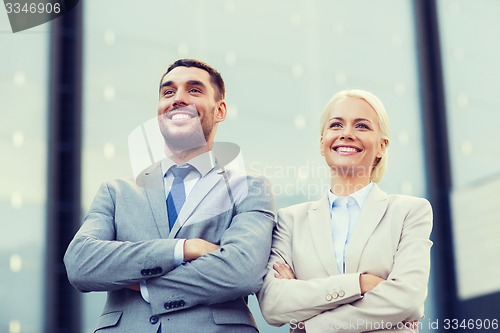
(379,168)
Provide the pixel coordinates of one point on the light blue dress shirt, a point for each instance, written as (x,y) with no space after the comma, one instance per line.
(344,214)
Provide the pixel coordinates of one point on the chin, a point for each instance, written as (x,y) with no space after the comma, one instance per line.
(184,140)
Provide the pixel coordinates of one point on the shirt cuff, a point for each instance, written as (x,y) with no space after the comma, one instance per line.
(179,252)
(144,291)
(178,259)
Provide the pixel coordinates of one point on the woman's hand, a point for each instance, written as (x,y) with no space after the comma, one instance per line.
(368,281)
(283,271)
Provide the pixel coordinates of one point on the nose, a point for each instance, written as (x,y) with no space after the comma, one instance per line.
(347,133)
(180,99)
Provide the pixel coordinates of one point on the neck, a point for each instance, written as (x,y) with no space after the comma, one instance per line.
(180,157)
(344,186)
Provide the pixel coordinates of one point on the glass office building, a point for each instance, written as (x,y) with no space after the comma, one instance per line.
(281,61)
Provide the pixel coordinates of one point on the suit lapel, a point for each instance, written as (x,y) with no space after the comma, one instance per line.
(371,214)
(321,230)
(197,194)
(152,181)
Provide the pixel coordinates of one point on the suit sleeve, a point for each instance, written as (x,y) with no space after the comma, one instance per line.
(283,301)
(233,271)
(96,261)
(401,296)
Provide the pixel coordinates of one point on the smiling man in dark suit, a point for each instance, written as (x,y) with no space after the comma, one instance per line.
(180,248)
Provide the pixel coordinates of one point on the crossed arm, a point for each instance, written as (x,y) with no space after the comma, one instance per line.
(193,249)
(366,281)
(369,300)
(212,273)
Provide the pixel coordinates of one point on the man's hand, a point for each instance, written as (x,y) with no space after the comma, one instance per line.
(193,248)
(135,287)
(196,247)
(368,281)
(283,271)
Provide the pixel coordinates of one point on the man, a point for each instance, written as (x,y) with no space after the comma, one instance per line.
(180,248)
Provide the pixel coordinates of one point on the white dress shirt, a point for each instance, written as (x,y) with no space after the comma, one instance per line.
(344,213)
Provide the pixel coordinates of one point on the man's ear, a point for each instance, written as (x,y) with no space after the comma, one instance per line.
(220,113)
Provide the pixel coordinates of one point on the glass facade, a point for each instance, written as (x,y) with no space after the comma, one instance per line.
(471,71)
(23,138)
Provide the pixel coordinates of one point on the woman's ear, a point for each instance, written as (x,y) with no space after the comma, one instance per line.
(321,150)
(382,148)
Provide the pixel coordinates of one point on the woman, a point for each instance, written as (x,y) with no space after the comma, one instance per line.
(358,259)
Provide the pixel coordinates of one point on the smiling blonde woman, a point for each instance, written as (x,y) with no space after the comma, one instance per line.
(358,259)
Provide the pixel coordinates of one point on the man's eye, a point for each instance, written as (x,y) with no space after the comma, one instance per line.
(168,92)
(195,90)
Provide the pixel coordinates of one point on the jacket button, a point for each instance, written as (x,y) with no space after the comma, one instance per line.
(182,303)
(153,319)
(168,305)
(144,272)
(341,293)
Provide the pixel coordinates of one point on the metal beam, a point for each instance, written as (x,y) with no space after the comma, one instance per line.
(62,301)
(437,154)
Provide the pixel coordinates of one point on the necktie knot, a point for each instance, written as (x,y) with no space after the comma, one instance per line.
(181,172)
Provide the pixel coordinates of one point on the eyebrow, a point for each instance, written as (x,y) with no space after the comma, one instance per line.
(189,83)
(355,120)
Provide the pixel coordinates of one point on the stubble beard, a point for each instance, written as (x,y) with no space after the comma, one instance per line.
(195,137)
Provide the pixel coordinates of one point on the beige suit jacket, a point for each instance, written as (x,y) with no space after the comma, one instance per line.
(391,240)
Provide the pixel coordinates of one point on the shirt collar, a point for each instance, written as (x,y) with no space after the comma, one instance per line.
(360,195)
(203,163)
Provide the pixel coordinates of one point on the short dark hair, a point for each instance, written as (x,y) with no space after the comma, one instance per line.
(215,77)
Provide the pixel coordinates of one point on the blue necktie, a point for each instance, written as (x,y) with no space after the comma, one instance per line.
(177,195)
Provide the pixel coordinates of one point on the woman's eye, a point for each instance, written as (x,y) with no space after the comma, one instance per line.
(336,124)
(364,126)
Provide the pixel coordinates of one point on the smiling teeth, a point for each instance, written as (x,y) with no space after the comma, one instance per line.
(180,116)
(346,150)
